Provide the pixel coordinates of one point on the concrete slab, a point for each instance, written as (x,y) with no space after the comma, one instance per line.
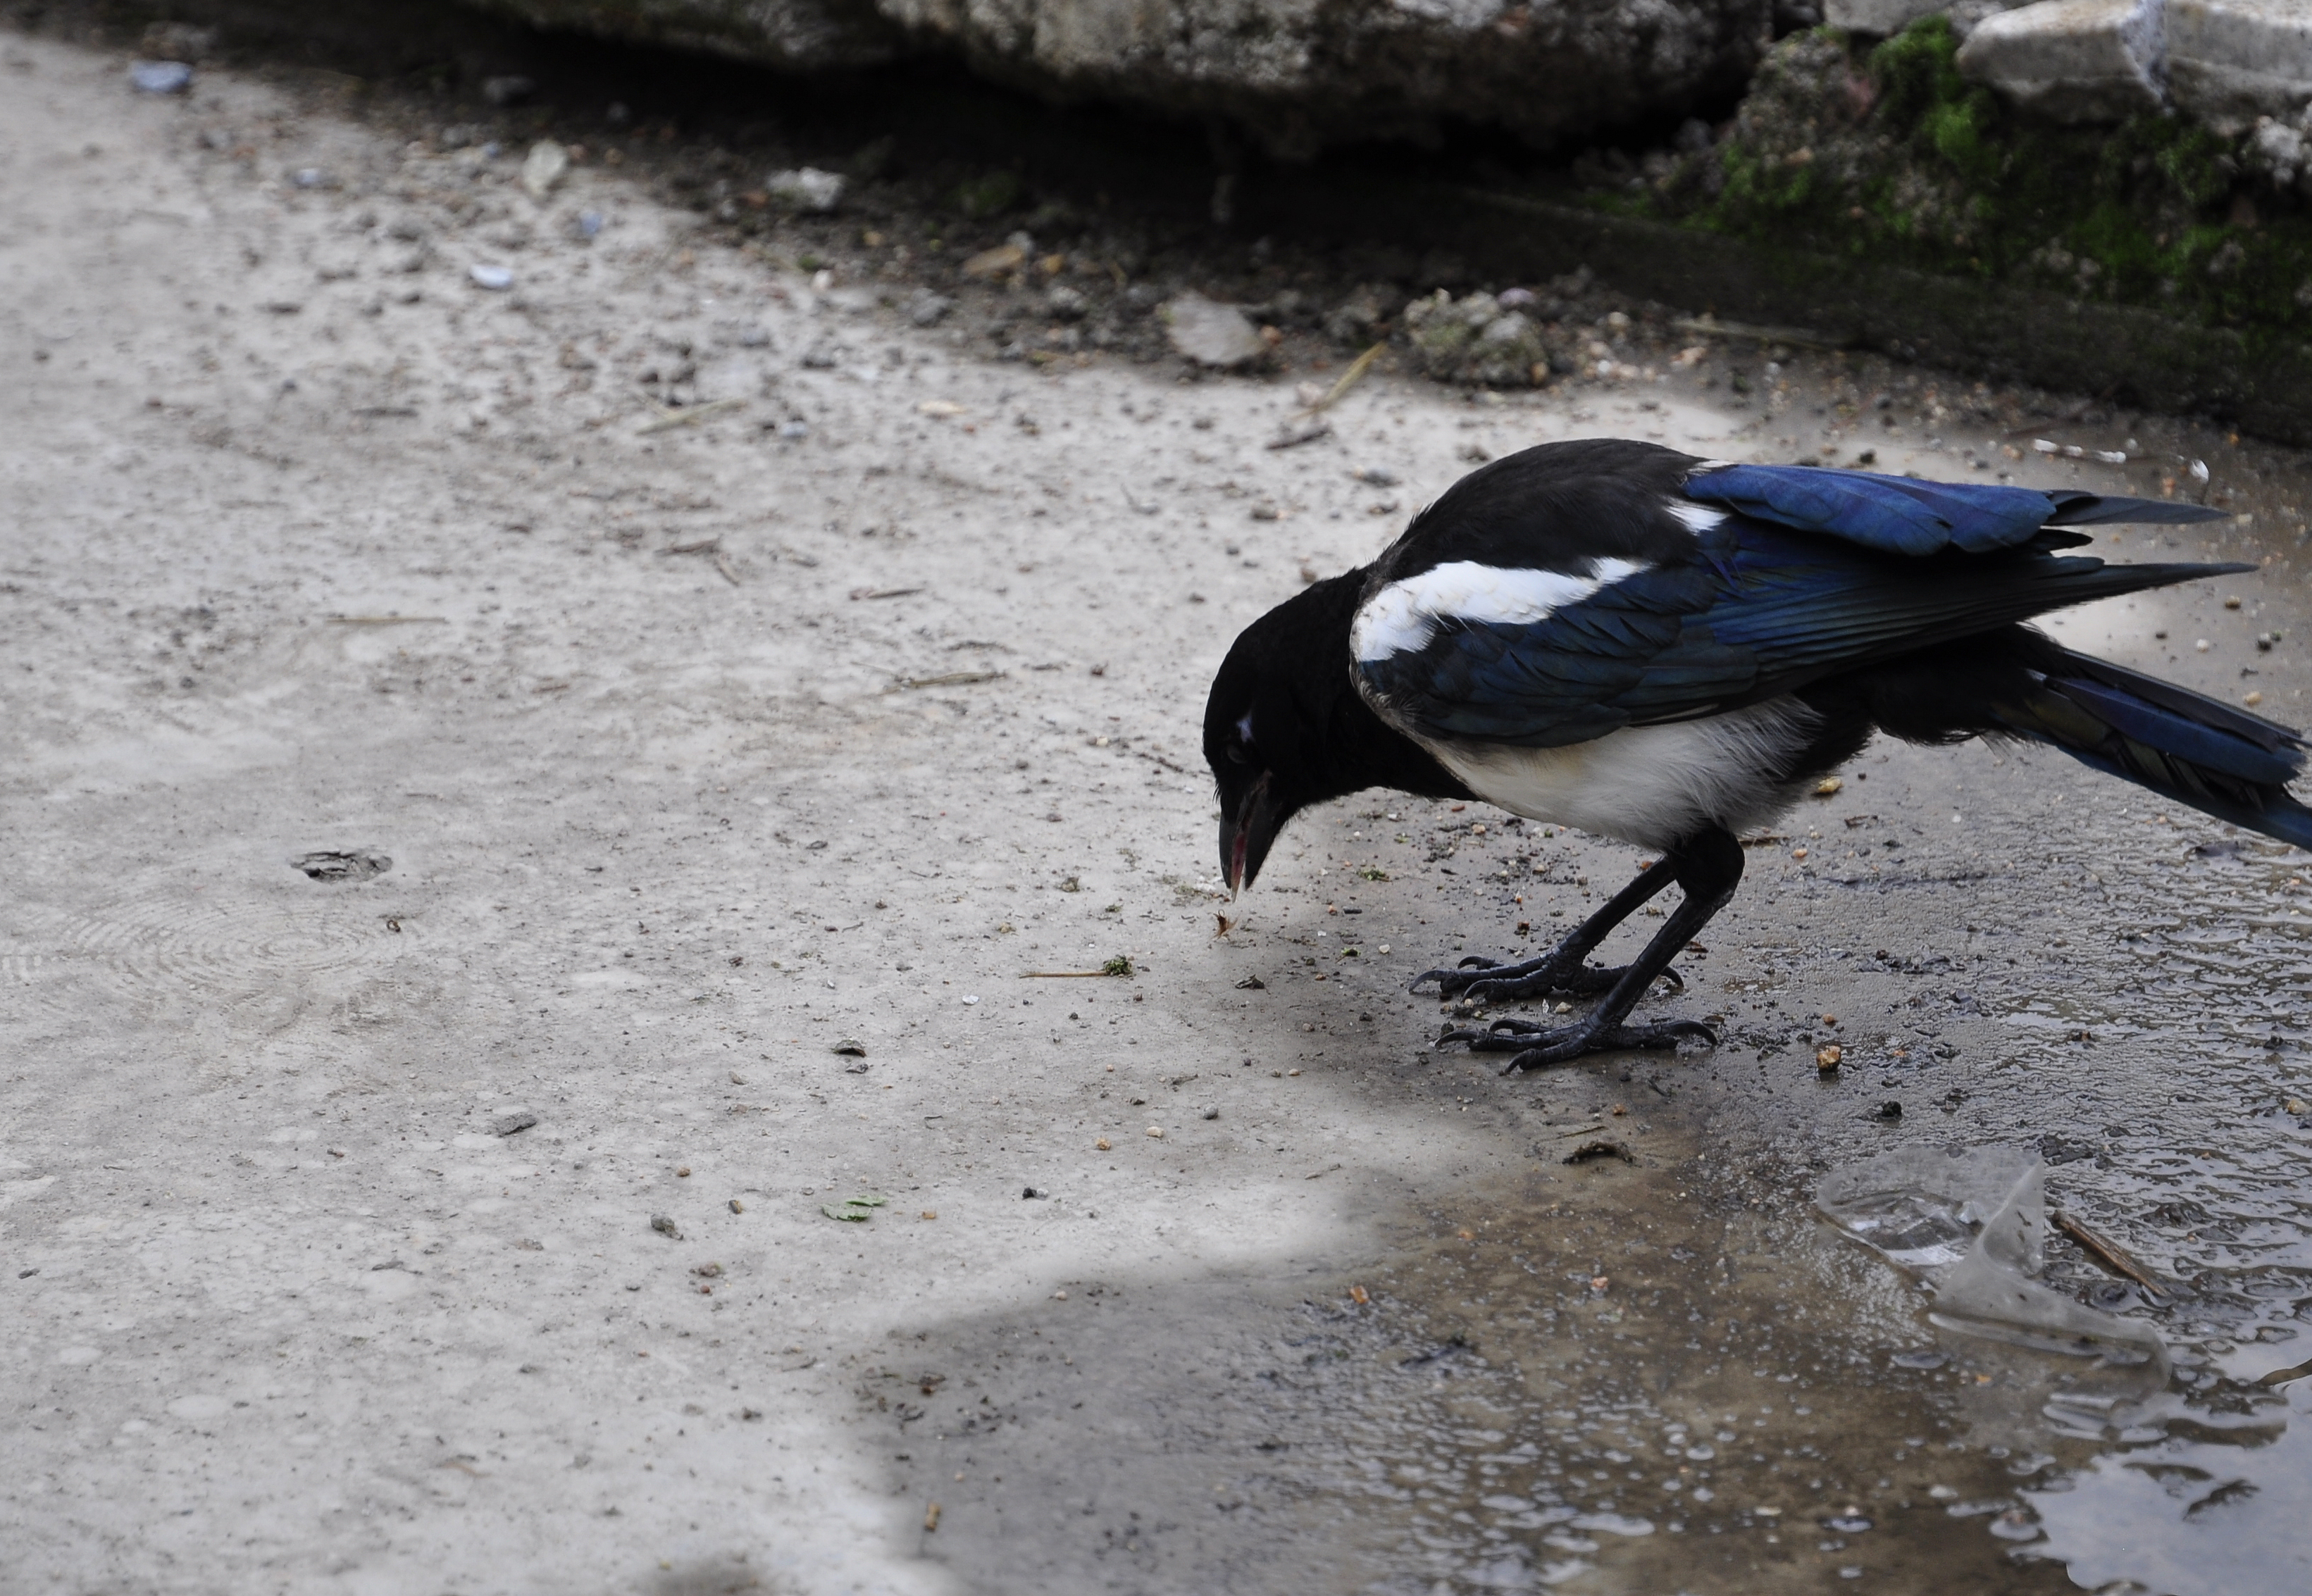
(2231,61)
(2072,60)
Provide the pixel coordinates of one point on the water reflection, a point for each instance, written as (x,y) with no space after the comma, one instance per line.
(2195,1513)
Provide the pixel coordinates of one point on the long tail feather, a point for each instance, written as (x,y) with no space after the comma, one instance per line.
(2183,745)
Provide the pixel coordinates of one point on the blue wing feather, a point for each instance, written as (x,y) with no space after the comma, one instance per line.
(1901,515)
(1759,609)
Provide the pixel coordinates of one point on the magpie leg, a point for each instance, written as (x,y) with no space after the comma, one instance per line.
(1709,868)
(1561,969)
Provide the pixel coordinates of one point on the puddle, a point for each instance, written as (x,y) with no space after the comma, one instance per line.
(1666,1377)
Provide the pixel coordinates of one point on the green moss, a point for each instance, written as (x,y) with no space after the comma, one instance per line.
(989,193)
(1893,156)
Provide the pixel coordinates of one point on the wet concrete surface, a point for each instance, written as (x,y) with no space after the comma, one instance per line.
(678,758)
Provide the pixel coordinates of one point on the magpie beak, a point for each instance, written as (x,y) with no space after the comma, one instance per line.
(1247,835)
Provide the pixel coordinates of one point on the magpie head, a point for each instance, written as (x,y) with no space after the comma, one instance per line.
(1254,800)
(1284,727)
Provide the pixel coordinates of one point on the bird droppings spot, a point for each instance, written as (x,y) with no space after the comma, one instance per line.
(335,865)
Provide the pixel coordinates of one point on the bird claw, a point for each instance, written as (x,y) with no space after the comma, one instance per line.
(1450,982)
(1579,980)
(1478,980)
(1536,1046)
(1574,1041)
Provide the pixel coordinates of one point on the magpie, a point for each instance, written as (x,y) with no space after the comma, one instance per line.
(1638,643)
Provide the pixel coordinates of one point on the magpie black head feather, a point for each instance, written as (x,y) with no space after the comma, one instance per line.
(1284,727)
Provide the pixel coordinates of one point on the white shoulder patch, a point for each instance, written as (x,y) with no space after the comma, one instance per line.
(1698,517)
(1403,617)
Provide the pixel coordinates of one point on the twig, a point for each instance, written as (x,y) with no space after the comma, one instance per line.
(729,572)
(954,678)
(1308,430)
(2107,1253)
(1713,327)
(670,417)
(1349,379)
(387,620)
(1118,965)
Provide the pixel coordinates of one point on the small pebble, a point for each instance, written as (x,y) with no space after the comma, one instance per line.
(160,77)
(664,1224)
(493,277)
(806,188)
(1827,1059)
(508,1124)
(736,1207)
(1156,1132)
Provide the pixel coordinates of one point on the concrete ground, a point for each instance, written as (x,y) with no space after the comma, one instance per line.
(492,866)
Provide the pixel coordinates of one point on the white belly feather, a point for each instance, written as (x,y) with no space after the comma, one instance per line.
(1650,785)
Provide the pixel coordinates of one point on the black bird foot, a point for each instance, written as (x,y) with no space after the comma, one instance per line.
(1538,1046)
(1480,980)
(1486,980)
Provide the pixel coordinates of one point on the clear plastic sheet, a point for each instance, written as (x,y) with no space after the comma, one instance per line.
(1973,1226)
